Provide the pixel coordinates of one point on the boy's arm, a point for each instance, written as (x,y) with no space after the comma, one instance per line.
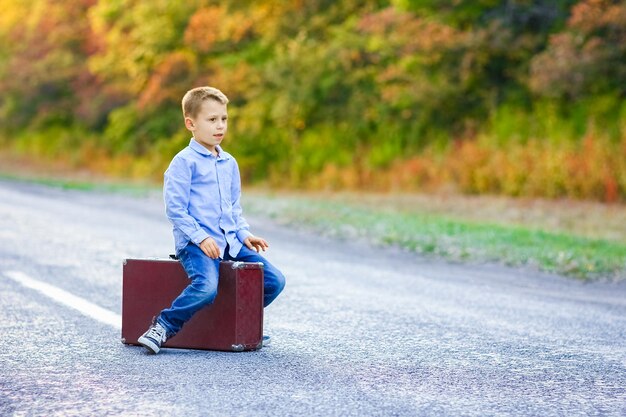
(241,225)
(176,193)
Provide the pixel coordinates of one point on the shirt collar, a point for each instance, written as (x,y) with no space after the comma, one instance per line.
(193,144)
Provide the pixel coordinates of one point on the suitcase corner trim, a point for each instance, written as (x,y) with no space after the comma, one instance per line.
(246,265)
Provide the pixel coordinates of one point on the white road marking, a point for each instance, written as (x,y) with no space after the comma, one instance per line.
(70,300)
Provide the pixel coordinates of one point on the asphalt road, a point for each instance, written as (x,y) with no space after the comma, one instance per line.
(358,331)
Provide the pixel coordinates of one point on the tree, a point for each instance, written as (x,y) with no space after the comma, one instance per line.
(44,76)
(588,58)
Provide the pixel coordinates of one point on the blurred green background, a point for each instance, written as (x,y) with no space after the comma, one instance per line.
(517,97)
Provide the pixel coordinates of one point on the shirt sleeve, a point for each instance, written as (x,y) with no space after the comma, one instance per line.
(176,193)
(242,227)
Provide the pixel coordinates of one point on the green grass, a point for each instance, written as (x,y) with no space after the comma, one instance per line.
(70,184)
(450,238)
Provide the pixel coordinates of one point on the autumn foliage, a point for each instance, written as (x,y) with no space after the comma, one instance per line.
(523,98)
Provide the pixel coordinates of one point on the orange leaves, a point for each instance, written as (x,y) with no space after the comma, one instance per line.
(591,49)
(43,55)
(203,29)
(560,70)
(540,169)
(589,15)
(593,170)
(169,81)
(408,33)
(237,80)
(418,173)
(211,25)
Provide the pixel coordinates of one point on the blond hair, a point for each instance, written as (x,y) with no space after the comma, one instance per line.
(193,99)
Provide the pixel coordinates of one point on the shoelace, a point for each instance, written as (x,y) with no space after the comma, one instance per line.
(155,333)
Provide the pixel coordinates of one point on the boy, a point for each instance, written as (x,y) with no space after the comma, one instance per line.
(201,190)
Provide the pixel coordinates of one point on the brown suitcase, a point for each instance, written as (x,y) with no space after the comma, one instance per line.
(234,322)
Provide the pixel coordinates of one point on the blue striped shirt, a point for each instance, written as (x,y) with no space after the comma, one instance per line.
(201,193)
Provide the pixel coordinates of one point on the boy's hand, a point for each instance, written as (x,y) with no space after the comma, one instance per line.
(256,243)
(210,248)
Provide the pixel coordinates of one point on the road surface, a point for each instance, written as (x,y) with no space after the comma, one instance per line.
(358,331)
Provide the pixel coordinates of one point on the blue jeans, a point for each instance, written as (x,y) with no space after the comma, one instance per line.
(203,273)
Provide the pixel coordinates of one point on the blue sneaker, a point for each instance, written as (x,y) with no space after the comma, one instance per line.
(153,338)
(266,340)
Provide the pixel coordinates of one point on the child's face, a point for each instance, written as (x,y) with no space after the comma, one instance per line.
(210,125)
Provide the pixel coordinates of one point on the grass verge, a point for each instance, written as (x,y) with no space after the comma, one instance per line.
(85,185)
(448,237)
(588,241)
